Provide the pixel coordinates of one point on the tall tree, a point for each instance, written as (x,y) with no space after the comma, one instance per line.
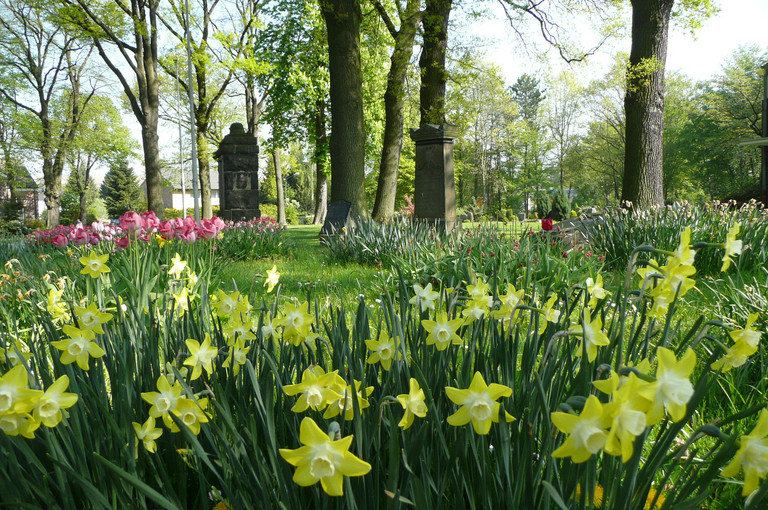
(432,61)
(120,191)
(132,29)
(213,73)
(46,69)
(644,100)
(394,101)
(347,146)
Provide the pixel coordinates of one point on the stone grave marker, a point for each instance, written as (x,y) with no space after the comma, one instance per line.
(336,218)
(238,158)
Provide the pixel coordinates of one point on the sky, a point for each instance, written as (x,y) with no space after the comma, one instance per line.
(699,56)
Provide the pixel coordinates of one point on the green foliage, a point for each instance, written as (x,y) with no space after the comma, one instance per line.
(561,205)
(291,212)
(120,191)
(251,240)
(543,204)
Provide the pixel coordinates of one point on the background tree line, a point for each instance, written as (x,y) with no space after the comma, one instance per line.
(70,67)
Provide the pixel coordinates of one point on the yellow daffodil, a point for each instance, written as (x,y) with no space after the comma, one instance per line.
(92,318)
(592,335)
(147,434)
(683,254)
(15,396)
(424,297)
(317,389)
(595,290)
(239,327)
(48,409)
(18,424)
(746,342)
(476,308)
(79,347)
(269,329)
(413,404)
(322,459)
(16,353)
(549,314)
(627,411)
(383,351)
(273,277)
(345,403)
(732,246)
(672,389)
(296,322)
(442,332)
(480,289)
(164,401)
(237,356)
(94,265)
(177,266)
(201,356)
(228,304)
(478,404)
(509,312)
(181,302)
(191,413)
(191,279)
(752,456)
(56,306)
(587,432)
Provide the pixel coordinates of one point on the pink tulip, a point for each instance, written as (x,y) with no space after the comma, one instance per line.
(131,222)
(60,240)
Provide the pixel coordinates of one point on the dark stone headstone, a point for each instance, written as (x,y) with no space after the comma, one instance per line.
(238,158)
(434,187)
(336,218)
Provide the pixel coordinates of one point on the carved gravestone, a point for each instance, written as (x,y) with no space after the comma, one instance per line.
(434,189)
(238,158)
(336,218)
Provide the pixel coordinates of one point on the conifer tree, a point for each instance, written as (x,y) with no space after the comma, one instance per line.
(120,191)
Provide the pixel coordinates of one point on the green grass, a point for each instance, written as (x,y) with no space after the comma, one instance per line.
(306,268)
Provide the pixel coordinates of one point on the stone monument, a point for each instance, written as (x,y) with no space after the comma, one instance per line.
(238,158)
(435,191)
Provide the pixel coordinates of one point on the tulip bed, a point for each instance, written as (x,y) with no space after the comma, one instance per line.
(491,372)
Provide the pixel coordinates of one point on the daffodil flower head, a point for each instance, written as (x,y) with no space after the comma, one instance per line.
(181,302)
(317,389)
(56,306)
(296,322)
(237,356)
(79,347)
(92,318)
(733,246)
(549,314)
(478,404)
(587,432)
(442,332)
(383,351)
(240,327)
(627,411)
(323,460)
(48,409)
(19,424)
(228,304)
(273,277)
(413,404)
(15,396)
(147,433)
(746,342)
(592,335)
(346,402)
(683,255)
(672,389)
(16,353)
(201,356)
(752,456)
(94,265)
(424,297)
(192,413)
(595,290)
(476,308)
(479,289)
(177,266)
(164,401)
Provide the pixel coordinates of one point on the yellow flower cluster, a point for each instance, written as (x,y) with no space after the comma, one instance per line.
(166,402)
(81,345)
(635,404)
(23,410)
(328,391)
(671,280)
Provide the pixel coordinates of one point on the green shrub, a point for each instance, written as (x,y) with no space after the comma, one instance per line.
(561,206)
(543,204)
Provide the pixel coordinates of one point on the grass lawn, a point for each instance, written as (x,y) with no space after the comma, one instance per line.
(306,267)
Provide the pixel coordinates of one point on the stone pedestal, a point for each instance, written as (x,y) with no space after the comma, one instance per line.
(238,158)
(435,192)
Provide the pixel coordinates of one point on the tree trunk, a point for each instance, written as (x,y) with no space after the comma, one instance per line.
(644,103)
(153,176)
(321,147)
(432,61)
(204,169)
(279,187)
(394,110)
(347,147)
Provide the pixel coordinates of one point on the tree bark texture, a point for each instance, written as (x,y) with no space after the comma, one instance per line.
(432,61)
(321,175)
(394,108)
(347,146)
(279,187)
(644,103)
